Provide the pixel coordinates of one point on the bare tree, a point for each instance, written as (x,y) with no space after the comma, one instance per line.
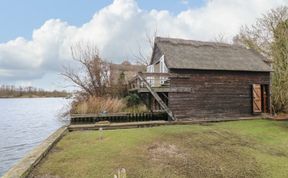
(220,38)
(142,56)
(260,35)
(11,91)
(269,36)
(93,77)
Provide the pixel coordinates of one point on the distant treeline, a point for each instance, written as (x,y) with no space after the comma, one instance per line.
(11,91)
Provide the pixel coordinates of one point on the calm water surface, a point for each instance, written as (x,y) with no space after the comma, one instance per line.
(24,124)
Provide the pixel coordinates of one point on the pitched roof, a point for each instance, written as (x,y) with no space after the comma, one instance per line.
(190,54)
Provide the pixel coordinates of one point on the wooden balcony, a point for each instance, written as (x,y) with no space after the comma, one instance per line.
(160,82)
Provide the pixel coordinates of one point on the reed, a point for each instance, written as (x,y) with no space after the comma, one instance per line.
(97,105)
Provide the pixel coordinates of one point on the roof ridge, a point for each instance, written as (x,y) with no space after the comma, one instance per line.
(177,41)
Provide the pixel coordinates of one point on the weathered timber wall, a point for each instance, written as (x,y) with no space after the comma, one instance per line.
(214,94)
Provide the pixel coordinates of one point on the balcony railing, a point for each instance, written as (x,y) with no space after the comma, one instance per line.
(156,80)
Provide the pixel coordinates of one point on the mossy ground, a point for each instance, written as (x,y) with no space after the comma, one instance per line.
(256,148)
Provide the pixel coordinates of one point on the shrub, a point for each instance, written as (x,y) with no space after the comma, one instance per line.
(136,109)
(132,100)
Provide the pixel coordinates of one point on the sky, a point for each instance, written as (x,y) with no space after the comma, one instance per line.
(36,36)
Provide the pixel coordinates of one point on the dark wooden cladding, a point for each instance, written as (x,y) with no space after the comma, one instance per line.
(214,94)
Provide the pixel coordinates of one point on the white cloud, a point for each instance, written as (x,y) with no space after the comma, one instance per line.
(119,28)
(184,1)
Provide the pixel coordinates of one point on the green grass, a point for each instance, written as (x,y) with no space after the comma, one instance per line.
(255,148)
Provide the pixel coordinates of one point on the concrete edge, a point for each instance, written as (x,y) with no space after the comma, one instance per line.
(130,125)
(30,160)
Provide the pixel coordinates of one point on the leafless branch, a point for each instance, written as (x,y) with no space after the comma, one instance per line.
(93,78)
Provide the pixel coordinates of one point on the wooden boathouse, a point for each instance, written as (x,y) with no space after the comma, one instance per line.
(204,80)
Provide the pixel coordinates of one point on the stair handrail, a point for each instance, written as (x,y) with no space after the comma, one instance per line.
(156,96)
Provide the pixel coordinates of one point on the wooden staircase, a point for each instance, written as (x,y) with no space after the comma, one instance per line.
(157,97)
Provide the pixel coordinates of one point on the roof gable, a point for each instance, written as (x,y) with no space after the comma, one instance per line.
(156,54)
(189,54)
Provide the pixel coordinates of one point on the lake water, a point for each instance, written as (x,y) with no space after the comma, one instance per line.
(24,124)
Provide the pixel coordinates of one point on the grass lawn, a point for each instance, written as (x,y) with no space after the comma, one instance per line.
(255,148)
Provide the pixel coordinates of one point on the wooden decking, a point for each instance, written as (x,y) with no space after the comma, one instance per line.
(158,81)
(156,89)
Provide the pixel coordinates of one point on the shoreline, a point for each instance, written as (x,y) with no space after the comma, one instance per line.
(25,165)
